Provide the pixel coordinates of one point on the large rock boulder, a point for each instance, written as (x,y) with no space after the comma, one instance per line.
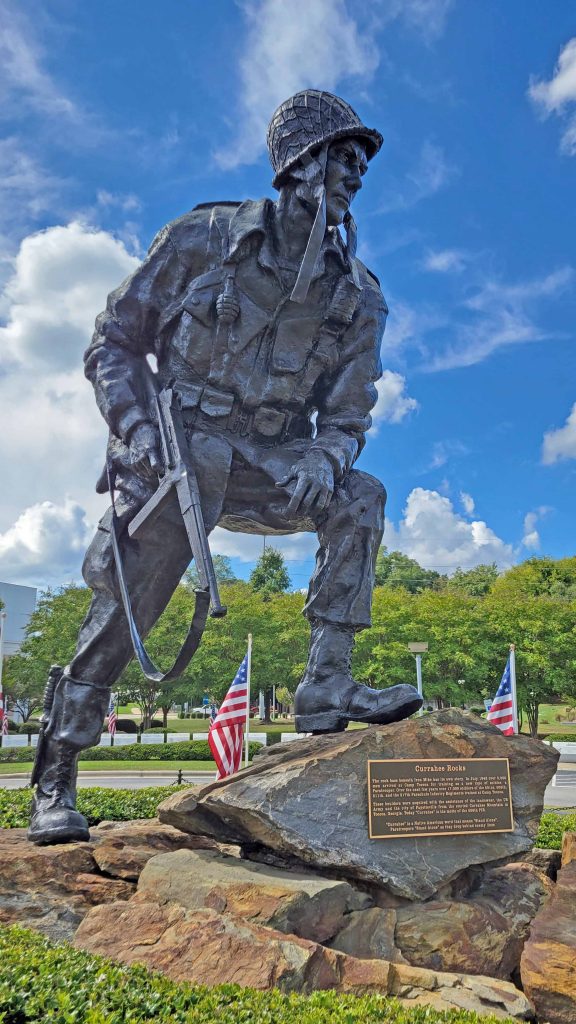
(206,947)
(307,801)
(123,848)
(483,934)
(548,965)
(51,888)
(298,903)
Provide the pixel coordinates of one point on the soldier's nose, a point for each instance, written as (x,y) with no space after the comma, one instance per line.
(353,181)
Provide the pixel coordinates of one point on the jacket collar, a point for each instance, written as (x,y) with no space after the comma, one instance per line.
(254,219)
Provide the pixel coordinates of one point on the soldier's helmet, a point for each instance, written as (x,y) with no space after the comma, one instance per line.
(308,120)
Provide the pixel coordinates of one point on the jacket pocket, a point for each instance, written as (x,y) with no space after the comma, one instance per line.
(216,403)
(293,344)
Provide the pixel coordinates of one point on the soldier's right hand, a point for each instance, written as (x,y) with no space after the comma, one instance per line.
(144,447)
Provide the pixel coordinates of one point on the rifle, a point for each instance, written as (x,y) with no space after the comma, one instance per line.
(180,475)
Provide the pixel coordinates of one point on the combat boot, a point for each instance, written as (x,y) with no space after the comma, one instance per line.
(328,698)
(74,713)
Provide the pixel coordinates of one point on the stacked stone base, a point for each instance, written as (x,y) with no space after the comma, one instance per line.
(270,880)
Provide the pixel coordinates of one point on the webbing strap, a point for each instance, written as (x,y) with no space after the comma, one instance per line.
(197,626)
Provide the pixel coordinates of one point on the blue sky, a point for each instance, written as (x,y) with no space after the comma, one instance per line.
(117,117)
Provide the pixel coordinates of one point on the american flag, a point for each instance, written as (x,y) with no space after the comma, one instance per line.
(501,713)
(4,712)
(226,733)
(112,716)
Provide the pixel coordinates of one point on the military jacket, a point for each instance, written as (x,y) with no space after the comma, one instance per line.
(275,366)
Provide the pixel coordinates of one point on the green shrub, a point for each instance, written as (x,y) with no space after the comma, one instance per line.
(159,731)
(552,828)
(43,981)
(273,736)
(98,804)
(126,725)
(560,737)
(188,750)
(29,728)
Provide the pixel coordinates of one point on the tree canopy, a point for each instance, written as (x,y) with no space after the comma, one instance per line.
(270,575)
(468,621)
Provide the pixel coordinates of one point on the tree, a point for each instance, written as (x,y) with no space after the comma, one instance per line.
(543,629)
(49,638)
(222,569)
(539,577)
(394,569)
(270,575)
(475,582)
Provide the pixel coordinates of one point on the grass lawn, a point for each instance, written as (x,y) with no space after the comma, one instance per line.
(122,766)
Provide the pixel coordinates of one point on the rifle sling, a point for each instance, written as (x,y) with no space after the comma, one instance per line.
(197,626)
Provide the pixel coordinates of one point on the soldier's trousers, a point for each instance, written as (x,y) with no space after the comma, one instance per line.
(237,481)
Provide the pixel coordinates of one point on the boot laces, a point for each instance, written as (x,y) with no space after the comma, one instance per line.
(64,774)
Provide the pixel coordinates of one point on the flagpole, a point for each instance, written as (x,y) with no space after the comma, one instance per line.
(513,687)
(248,674)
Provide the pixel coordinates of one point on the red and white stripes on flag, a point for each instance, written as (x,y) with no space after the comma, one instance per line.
(112,716)
(502,712)
(226,733)
(4,712)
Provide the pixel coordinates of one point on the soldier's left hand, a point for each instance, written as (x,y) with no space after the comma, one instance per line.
(314,484)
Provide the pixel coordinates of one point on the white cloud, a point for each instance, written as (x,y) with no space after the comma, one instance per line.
(427,16)
(443,451)
(500,315)
(22,77)
(407,327)
(560,444)
(27,189)
(531,537)
(438,537)
(53,435)
(468,503)
(445,261)
(46,544)
(248,547)
(556,95)
(293,46)
(429,175)
(393,403)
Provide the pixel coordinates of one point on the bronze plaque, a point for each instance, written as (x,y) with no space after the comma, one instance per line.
(439,797)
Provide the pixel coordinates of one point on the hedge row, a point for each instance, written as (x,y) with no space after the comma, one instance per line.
(100,804)
(95,802)
(552,828)
(560,737)
(190,750)
(44,981)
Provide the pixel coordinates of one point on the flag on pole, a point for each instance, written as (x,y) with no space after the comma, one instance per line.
(226,732)
(501,713)
(112,716)
(4,712)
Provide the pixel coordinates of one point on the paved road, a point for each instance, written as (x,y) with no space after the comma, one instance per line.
(118,780)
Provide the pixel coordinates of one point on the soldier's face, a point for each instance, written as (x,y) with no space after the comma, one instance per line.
(345,167)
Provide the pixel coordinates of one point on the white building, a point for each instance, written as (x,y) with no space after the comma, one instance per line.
(19,603)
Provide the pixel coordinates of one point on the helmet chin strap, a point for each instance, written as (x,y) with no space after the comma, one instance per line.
(351,245)
(314,174)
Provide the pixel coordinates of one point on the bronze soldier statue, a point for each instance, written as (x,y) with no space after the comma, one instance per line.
(266,331)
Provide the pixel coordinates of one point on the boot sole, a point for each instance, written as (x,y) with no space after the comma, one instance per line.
(324,721)
(336,721)
(46,837)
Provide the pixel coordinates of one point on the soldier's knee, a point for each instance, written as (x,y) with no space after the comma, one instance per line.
(367,489)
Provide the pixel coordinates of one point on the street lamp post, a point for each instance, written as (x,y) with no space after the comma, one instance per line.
(418,649)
